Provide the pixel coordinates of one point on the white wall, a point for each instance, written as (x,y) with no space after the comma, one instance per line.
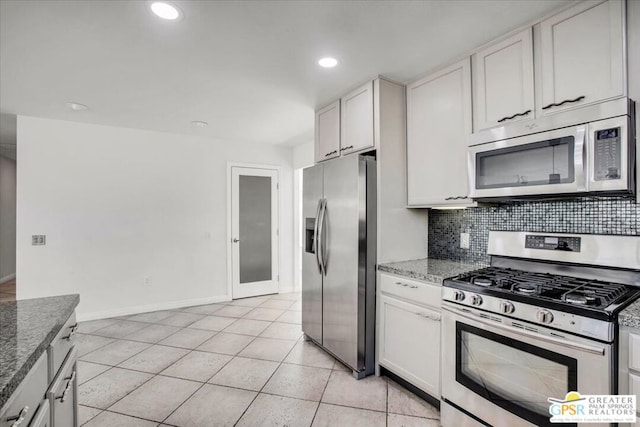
(7,218)
(118,205)
(302,157)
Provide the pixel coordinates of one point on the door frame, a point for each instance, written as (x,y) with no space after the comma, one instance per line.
(229,245)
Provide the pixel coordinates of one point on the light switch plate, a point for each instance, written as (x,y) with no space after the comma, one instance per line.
(464,240)
(38,240)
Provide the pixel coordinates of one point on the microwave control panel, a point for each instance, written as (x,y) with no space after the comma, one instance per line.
(607,154)
(553,243)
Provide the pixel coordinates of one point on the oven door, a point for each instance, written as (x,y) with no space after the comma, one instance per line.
(544,163)
(503,375)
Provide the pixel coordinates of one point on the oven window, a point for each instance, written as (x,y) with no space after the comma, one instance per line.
(516,376)
(540,163)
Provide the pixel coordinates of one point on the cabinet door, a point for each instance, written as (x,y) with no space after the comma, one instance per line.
(328,132)
(582,56)
(21,407)
(357,119)
(503,82)
(438,129)
(634,389)
(410,343)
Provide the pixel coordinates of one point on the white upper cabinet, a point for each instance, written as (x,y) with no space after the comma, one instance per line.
(357,119)
(503,82)
(438,127)
(327,143)
(581,56)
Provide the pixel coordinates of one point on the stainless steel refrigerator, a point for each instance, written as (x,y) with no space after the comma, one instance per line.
(339,259)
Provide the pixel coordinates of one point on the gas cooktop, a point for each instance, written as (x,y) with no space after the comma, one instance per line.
(546,286)
(594,298)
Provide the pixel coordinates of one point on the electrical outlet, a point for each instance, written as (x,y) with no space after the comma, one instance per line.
(464,240)
(148,280)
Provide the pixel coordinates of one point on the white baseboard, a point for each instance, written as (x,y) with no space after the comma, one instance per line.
(7,278)
(286,289)
(83,317)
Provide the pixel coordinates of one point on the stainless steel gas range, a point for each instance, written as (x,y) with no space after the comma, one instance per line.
(539,322)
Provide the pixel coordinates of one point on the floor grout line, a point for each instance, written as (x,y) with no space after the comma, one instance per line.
(264,385)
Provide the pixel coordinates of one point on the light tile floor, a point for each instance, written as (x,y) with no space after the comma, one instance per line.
(244,363)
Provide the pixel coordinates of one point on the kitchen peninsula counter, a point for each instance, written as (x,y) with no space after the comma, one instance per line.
(27,327)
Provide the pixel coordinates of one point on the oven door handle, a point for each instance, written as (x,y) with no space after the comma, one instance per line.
(573,345)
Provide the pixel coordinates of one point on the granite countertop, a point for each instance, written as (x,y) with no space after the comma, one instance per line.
(27,327)
(429,270)
(630,316)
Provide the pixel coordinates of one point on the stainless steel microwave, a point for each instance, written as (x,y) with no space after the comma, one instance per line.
(593,157)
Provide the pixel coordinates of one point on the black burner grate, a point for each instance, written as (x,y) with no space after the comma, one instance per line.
(544,286)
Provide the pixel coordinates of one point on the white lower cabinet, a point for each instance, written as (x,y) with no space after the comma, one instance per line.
(409,342)
(629,366)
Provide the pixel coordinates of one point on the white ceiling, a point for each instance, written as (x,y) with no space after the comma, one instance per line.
(246,67)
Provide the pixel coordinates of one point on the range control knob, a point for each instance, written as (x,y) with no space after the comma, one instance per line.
(458,295)
(506,307)
(476,299)
(544,316)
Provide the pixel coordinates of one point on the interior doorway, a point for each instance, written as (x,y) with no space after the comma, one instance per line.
(8,197)
(254,234)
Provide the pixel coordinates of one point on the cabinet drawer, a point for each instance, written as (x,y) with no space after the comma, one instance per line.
(43,416)
(634,352)
(27,397)
(634,388)
(61,345)
(63,393)
(419,292)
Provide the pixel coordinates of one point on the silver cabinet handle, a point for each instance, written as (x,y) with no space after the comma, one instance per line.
(434,317)
(74,330)
(406,285)
(18,419)
(70,380)
(235,240)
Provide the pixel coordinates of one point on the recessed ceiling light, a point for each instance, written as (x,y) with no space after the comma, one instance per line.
(328,62)
(76,106)
(199,124)
(165,10)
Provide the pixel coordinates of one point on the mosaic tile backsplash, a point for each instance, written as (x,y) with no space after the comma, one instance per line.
(588,215)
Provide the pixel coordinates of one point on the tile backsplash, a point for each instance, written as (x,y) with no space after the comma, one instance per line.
(588,215)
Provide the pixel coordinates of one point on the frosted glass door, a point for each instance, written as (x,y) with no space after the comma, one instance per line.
(254,240)
(255,228)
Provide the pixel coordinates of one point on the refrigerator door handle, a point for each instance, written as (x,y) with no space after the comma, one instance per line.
(316,247)
(322,237)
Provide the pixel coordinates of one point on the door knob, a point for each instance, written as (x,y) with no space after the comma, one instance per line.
(235,240)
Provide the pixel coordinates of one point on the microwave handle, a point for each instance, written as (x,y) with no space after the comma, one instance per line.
(580,159)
